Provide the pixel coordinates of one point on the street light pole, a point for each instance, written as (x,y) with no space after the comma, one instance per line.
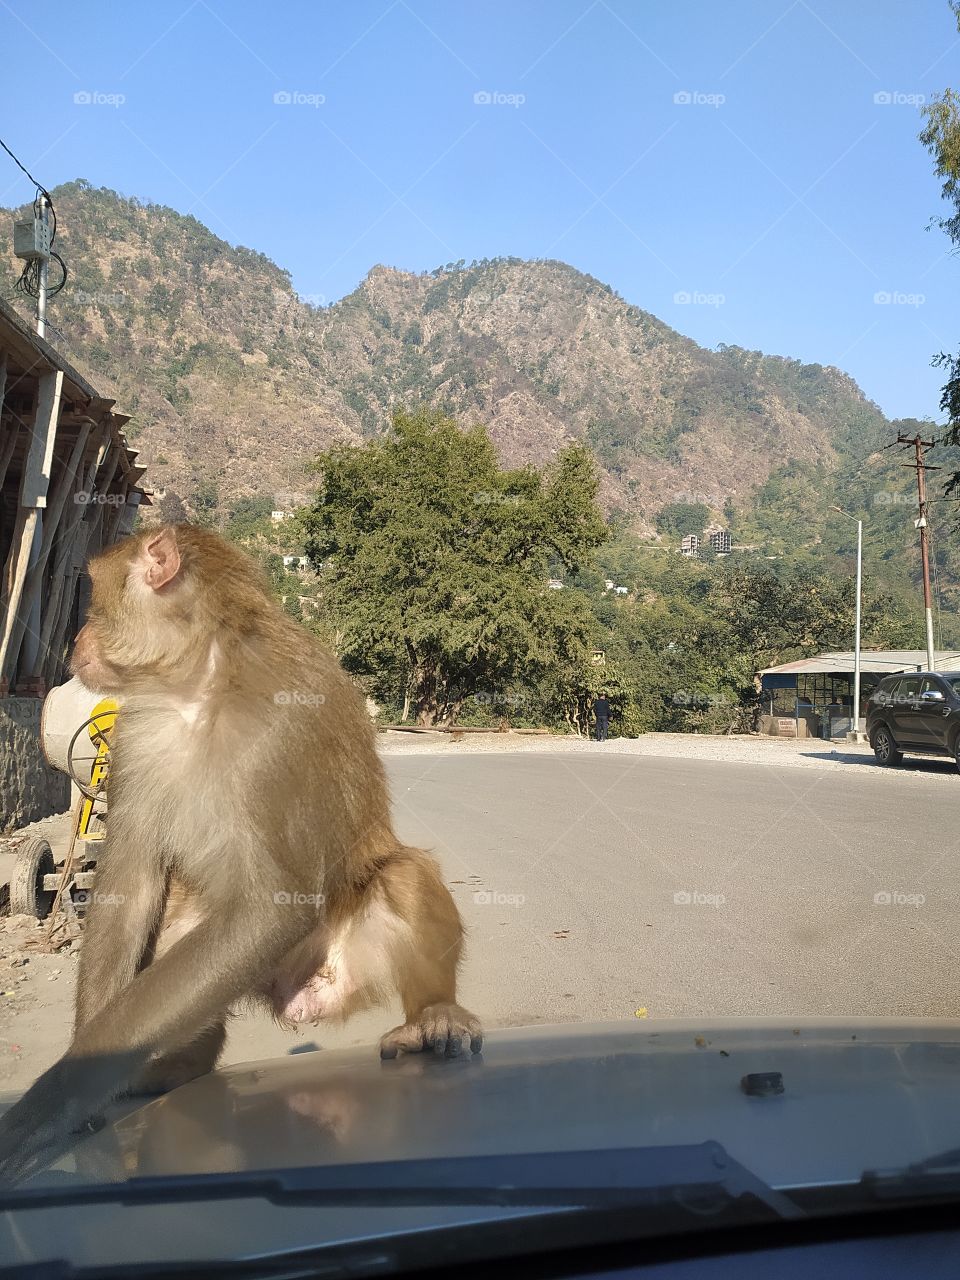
(856,643)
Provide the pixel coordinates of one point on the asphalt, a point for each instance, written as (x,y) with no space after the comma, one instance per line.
(596,887)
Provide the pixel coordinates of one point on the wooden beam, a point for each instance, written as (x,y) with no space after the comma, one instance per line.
(36,470)
(63,577)
(7,448)
(34,483)
(9,442)
(66,486)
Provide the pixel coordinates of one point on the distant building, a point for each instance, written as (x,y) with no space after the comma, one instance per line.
(555,584)
(621,591)
(599,657)
(278,516)
(690,545)
(720,541)
(608,584)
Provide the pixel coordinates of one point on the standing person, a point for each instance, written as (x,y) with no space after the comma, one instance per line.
(601,710)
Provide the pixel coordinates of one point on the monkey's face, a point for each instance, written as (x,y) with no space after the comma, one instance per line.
(88,664)
(130,636)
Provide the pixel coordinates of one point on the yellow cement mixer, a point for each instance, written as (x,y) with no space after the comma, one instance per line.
(75,731)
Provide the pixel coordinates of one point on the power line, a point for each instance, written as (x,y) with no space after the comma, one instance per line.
(39,185)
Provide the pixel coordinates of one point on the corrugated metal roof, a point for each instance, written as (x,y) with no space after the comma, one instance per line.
(878,660)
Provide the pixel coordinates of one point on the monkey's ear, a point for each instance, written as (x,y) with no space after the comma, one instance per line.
(162,559)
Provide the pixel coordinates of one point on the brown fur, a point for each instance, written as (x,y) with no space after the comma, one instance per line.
(249,842)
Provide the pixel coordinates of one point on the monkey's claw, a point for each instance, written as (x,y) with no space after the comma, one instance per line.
(441,1028)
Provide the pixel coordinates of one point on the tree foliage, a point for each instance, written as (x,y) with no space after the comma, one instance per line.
(681,518)
(941,136)
(435,563)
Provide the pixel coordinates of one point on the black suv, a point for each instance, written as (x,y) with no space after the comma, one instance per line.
(916,712)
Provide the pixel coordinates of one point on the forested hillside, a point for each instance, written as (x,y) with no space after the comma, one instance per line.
(235,384)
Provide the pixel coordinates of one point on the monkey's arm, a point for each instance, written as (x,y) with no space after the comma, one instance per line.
(425,968)
(170,1001)
(125,909)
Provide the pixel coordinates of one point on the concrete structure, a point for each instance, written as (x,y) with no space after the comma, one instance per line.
(813,697)
(690,544)
(720,542)
(296,562)
(69,485)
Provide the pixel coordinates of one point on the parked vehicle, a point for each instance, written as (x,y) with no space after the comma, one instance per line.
(915,712)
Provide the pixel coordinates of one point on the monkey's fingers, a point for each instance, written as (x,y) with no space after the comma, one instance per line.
(25,1149)
(445,1028)
(440,1027)
(408,1038)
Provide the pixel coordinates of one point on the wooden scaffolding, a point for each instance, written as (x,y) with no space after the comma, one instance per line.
(69,485)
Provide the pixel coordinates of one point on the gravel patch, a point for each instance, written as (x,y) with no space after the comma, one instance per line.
(803,753)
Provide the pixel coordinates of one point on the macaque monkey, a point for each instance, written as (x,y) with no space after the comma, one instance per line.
(249,849)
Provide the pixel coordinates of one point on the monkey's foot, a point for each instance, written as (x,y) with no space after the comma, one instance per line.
(440,1027)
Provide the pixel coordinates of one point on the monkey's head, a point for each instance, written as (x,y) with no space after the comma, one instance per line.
(159,601)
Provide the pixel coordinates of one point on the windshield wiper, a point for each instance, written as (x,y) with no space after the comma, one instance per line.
(935,1177)
(697,1176)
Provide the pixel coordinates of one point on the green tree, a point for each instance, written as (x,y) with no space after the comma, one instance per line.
(205,499)
(941,136)
(680,518)
(248,516)
(435,562)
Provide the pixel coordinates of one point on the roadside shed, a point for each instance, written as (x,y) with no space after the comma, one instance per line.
(813,697)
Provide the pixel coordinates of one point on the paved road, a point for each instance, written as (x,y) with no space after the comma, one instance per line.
(568,867)
(597,886)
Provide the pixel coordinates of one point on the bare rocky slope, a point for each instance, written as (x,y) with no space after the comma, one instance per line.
(235,383)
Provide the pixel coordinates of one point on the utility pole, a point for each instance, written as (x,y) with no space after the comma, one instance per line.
(921,469)
(44,267)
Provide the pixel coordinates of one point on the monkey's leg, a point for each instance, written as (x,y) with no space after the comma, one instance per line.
(405,936)
(184,1062)
(426,955)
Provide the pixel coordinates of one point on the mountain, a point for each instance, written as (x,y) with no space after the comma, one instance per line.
(234,382)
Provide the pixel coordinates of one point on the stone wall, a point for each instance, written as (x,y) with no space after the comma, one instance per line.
(29,788)
(806,725)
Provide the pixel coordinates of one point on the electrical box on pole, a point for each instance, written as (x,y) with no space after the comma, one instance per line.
(31,240)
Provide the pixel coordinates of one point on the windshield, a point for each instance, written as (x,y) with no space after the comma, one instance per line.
(478,544)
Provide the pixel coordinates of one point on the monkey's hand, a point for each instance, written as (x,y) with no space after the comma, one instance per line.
(48,1119)
(440,1027)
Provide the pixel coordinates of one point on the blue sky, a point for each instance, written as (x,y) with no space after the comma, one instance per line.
(732,154)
